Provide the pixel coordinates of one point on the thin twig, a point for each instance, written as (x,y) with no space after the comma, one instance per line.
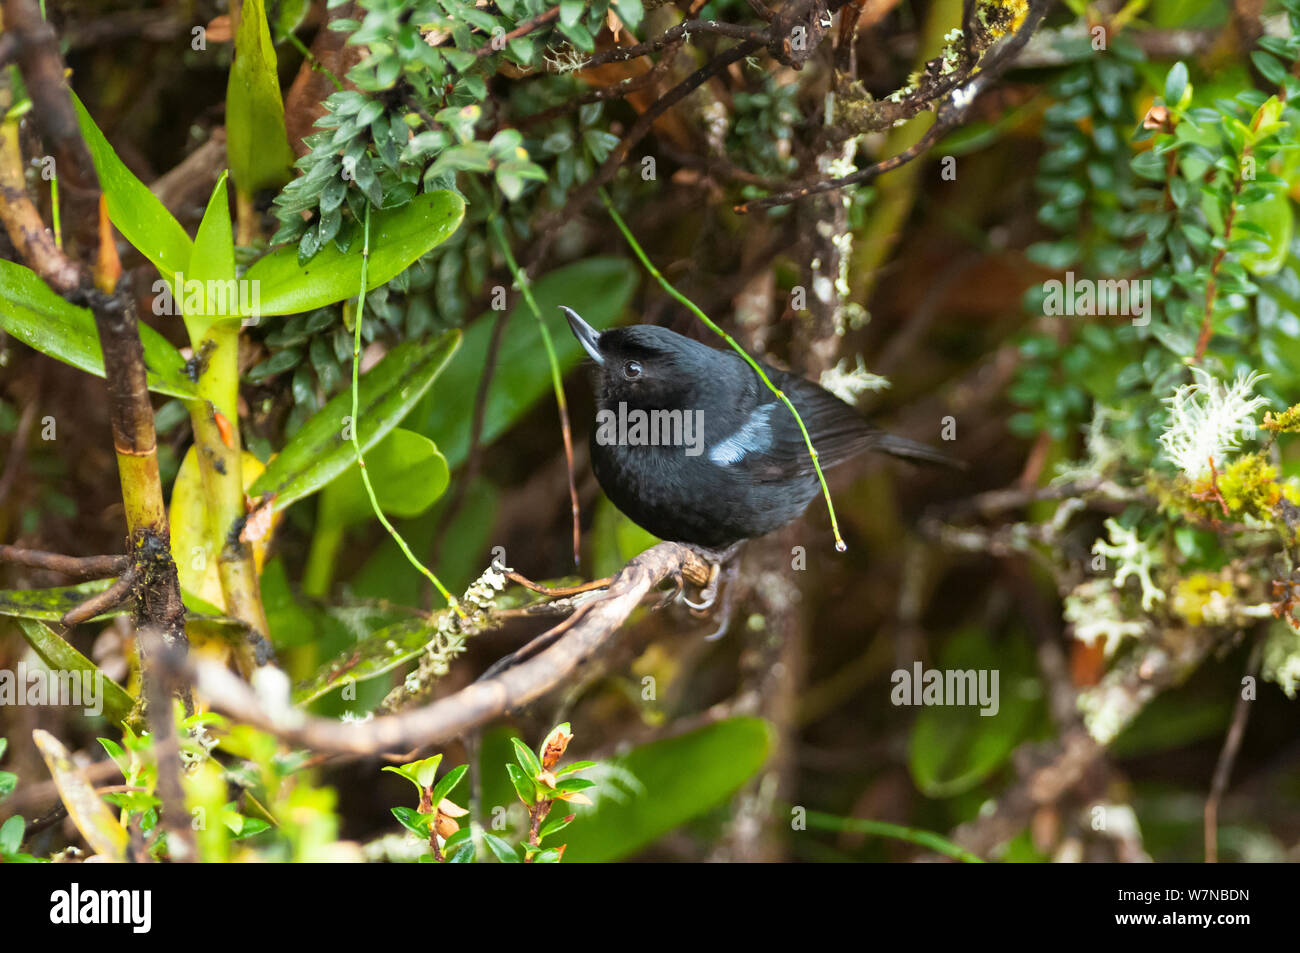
(1228,757)
(112,597)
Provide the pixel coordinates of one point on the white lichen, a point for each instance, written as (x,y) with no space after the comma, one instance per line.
(1135,557)
(849,384)
(1095,612)
(1208,419)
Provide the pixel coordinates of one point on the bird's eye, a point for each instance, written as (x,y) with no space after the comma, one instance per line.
(632,370)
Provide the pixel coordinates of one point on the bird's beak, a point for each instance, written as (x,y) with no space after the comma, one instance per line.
(587,336)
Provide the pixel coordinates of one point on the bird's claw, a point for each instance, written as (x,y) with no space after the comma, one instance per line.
(672,595)
(709,594)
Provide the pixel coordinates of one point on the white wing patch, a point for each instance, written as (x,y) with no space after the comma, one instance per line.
(754,435)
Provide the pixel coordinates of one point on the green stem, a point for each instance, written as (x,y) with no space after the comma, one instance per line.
(928,839)
(356,427)
(316,64)
(321,557)
(54,211)
(521,281)
(812,451)
(221,472)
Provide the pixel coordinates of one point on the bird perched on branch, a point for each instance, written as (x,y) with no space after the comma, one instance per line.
(694,447)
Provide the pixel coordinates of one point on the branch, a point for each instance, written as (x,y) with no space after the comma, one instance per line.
(112,597)
(78,567)
(1228,756)
(475,704)
(528,26)
(961,89)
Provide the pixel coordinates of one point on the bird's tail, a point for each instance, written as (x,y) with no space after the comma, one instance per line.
(912,450)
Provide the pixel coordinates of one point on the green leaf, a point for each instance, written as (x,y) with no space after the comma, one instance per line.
(320,452)
(380,652)
(502,849)
(527,760)
(213,260)
(598,288)
(955,747)
(257,145)
(407,472)
(397,238)
(448,783)
(631,12)
(33,313)
(554,826)
(1175,84)
(139,216)
(426,770)
(675,780)
(50,604)
(61,657)
(523,784)
(413,821)
(11,834)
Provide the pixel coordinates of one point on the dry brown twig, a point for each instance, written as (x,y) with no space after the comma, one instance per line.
(476,704)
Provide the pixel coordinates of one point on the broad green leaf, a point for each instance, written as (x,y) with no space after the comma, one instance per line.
(408,475)
(33,313)
(257,145)
(195,546)
(51,604)
(322,450)
(103,833)
(61,657)
(672,781)
(212,262)
(289,18)
(380,652)
(393,645)
(599,289)
(954,747)
(138,214)
(397,238)
(1275,216)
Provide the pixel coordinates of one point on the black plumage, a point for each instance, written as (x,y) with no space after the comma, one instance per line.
(748,472)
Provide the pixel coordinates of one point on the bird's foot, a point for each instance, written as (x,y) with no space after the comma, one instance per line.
(678,591)
(709,594)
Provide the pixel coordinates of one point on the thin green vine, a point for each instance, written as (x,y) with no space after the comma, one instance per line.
(356,442)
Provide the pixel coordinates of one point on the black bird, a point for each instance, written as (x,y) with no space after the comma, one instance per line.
(731,463)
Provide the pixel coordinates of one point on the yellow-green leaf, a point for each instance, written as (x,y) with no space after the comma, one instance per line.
(103,833)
